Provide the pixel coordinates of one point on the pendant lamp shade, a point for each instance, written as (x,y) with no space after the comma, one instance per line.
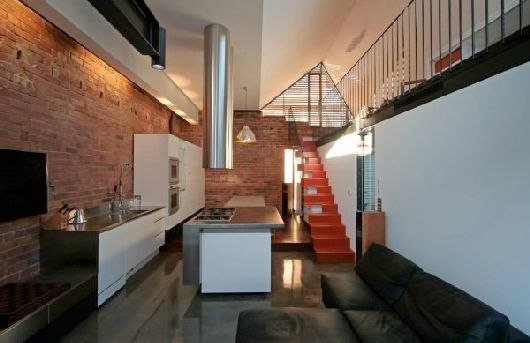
(246,135)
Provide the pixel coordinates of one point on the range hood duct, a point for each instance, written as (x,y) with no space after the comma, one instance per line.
(218,98)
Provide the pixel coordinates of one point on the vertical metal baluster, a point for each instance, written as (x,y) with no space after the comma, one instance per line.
(521,16)
(392,73)
(473,28)
(398,62)
(440,34)
(403,52)
(362,83)
(354,88)
(374,64)
(450,33)
(415,41)
(408,10)
(383,68)
(387,88)
(358,82)
(369,77)
(460,31)
(502,21)
(381,77)
(486,15)
(422,39)
(430,22)
(366,78)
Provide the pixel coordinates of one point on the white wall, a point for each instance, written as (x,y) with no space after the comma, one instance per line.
(455,184)
(341,173)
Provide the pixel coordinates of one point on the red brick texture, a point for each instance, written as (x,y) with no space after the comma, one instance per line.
(58,97)
(258,168)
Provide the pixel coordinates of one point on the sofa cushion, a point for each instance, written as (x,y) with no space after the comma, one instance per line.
(517,336)
(386,272)
(380,326)
(347,291)
(290,324)
(438,311)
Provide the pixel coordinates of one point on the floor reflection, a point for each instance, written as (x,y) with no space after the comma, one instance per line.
(155,306)
(292,274)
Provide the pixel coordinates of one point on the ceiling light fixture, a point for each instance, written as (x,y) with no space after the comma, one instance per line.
(246,135)
(159,61)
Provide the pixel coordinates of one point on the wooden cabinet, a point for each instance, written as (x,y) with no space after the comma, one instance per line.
(370,228)
(125,249)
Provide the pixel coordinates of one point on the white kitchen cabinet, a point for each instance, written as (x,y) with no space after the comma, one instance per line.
(127,248)
(151,174)
(111,262)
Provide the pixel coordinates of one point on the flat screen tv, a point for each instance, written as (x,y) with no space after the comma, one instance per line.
(23,184)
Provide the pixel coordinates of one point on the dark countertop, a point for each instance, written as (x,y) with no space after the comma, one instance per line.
(266,217)
(107,221)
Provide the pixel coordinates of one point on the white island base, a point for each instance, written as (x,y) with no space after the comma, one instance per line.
(235,262)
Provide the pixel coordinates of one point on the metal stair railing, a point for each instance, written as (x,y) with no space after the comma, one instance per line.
(427,39)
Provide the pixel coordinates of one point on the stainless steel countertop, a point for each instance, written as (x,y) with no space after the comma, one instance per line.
(99,223)
(266,217)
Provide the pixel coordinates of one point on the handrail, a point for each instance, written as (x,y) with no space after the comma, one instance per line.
(292,130)
(428,38)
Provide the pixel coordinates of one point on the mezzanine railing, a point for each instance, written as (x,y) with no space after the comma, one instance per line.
(426,40)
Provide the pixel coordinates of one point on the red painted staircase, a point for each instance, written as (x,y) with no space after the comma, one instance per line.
(330,242)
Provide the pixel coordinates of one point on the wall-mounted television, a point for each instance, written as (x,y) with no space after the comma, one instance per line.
(23,184)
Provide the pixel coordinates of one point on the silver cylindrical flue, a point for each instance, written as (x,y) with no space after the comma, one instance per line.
(218,94)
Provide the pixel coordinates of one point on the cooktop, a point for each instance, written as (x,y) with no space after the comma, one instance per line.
(216,214)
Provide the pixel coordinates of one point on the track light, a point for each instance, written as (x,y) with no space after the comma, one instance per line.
(159,61)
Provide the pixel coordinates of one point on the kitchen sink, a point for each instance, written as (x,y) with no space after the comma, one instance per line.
(135,211)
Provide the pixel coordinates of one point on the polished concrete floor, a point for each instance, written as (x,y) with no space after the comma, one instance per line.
(154,306)
(295,236)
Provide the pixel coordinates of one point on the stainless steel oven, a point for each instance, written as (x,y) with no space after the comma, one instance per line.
(174,199)
(174,170)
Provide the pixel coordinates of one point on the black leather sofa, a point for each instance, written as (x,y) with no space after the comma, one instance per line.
(386,299)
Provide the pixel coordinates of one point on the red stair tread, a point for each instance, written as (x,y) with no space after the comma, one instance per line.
(314,182)
(313,160)
(317,199)
(330,218)
(310,167)
(310,154)
(335,256)
(327,225)
(328,229)
(309,146)
(331,243)
(330,208)
(320,174)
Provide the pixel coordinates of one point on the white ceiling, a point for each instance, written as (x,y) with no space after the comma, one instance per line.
(274,41)
(185,20)
(296,36)
(365,22)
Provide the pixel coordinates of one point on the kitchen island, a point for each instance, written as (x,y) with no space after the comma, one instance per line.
(229,250)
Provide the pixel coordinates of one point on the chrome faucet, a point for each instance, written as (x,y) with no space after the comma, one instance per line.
(119,190)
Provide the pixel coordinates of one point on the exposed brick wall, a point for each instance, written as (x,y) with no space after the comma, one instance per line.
(258,168)
(58,97)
